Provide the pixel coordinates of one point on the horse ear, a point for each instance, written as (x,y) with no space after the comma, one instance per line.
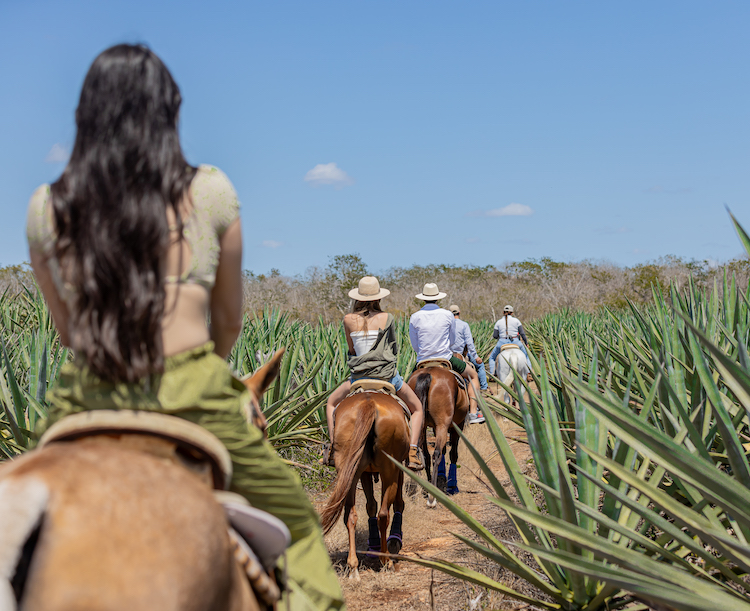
(259,382)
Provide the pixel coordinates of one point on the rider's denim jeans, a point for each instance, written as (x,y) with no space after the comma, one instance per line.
(481,373)
(496,350)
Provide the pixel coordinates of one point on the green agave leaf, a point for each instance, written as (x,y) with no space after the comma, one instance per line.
(520,568)
(686,595)
(466,574)
(744,238)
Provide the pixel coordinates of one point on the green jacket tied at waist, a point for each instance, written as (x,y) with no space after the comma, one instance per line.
(380,361)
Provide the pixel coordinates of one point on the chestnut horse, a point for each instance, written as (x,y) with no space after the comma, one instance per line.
(445,403)
(369,426)
(121,529)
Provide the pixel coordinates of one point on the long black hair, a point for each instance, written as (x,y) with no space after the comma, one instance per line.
(110,211)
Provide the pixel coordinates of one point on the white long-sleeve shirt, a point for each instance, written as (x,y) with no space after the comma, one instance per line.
(432,332)
(463,339)
(508,328)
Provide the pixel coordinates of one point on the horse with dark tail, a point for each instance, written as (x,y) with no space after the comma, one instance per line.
(444,402)
(369,427)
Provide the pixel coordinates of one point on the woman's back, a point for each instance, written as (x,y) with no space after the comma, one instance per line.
(362,331)
(211,233)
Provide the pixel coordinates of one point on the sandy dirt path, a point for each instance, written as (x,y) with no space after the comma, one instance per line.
(427,533)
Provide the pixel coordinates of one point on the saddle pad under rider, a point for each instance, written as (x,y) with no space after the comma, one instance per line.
(385,388)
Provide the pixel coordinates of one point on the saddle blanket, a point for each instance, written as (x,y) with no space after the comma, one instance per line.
(359,389)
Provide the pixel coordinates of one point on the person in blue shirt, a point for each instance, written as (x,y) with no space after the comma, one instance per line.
(465,341)
(464,345)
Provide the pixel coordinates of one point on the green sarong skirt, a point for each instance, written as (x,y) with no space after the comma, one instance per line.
(198,386)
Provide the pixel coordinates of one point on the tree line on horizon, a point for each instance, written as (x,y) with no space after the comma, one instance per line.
(534,287)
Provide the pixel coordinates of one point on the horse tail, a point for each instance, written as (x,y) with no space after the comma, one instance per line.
(351,457)
(422,389)
(508,381)
(516,360)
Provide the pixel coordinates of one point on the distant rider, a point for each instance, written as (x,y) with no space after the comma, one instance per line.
(508,330)
(464,346)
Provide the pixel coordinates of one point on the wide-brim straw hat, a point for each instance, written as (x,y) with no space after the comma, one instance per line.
(430,292)
(368,290)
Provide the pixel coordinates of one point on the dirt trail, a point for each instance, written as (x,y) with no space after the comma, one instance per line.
(427,533)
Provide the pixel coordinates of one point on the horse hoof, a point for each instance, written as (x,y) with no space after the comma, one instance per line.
(394,544)
(431,503)
(354,575)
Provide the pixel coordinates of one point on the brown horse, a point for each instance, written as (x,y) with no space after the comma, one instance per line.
(113,527)
(445,403)
(369,426)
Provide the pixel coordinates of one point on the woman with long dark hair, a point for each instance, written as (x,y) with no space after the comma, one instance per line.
(134,249)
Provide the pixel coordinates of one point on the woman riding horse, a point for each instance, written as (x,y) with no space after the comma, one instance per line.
(509,330)
(373,350)
(134,249)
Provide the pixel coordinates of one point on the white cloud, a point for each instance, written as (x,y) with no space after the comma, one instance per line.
(510,210)
(272,243)
(57,154)
(328,174)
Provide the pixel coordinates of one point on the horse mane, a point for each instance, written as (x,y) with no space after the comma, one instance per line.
(347,470)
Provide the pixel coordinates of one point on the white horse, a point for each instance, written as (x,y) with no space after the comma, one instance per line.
(511,357)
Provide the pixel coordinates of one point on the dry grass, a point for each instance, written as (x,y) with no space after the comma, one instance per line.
(427,533)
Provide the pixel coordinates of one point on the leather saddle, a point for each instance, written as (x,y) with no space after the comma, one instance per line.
(374,385)
(259,538)
(444,364)
(509,347)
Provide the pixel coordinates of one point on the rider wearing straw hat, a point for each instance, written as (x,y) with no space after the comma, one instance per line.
(373,353)
(432,332)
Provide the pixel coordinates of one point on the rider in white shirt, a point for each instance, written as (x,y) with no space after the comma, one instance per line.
(432,332)
(508,330)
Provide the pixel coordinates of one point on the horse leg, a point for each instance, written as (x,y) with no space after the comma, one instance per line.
(373,541)
(395,539)
(441,479)
(441,436)
(427,457)
(388,495)
(452,483)
(350,517)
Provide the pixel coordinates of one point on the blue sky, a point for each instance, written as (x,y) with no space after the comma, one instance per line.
(420,132)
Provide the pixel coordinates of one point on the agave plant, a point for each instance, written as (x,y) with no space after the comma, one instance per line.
(637,439)
(31,358)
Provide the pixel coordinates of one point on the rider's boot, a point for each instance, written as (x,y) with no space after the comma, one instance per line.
(416,460)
